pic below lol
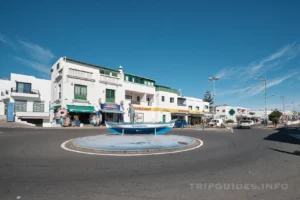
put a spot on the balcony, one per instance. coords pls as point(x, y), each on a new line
point(109, 80)
point(25, 93)
point(80, 97)
point(181, 104)
point(110, 99)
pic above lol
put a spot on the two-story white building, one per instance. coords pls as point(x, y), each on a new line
point(229, 112)
point(85, 90)
point(30, 97)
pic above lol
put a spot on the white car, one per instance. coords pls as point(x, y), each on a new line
point(216, 122)
point(244, 124)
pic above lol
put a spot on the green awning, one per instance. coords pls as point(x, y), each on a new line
point(81, 109)
point(55, 107)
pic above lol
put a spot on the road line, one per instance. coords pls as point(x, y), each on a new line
point(63, 145)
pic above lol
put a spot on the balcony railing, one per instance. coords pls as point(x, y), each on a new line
point(181, 104)
point(79, 96)
point(110, 99)
point(165, 89)
point(107, 79)
point(32, 91)
point(136, 102)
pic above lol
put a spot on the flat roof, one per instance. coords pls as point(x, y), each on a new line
point(92, 65)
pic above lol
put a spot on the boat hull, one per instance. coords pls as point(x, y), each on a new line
point(139, 128)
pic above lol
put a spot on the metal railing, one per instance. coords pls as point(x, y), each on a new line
point(79, 96)
point(110, 99)
point(32, 91)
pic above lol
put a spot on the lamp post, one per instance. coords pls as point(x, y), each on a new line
point(264, 80)
point(213, 80)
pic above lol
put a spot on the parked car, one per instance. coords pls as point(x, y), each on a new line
point(216, 122)
point(244, 124)
point(180, 123)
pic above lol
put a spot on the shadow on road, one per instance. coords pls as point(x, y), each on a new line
point(297, 153)
point(284, 135)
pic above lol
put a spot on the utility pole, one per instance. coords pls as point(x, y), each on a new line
point(264, 80)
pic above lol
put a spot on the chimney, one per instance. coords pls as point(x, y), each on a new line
point(121, 69)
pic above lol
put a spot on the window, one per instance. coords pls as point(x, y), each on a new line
point(110, 95)
point(223, 110)
point(130, 78)
point(217, 110)
point(20, 105)
point(57, 66)
point(197, 107)
point(128, 97)
point(138, 98)
point(23, 87)
point(59, 91)
point(80, 92)
point(171, 99)
point(162, 98)
point(206, 106)
point(115, 74)
point(38, 106)
point(104, 71)
point(190, 107)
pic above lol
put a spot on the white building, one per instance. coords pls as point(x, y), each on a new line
point(229, 112)
point(85, 89)
point(30, 97)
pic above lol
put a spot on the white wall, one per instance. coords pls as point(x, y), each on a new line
point(225, 115)
point(5, 90)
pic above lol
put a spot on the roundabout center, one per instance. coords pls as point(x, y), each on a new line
point(131, 145)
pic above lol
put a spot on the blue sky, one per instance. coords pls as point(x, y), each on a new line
point(178, 43)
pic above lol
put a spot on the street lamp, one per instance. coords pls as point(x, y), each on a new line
point(264, 80)
point(271, 96)
point(213, 80)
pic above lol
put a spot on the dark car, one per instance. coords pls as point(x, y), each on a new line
point(180, 123)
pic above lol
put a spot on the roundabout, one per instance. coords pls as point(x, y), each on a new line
point(131, 145)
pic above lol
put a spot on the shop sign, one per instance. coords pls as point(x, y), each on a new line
point(109, 106)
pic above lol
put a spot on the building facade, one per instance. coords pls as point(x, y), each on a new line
point(231, 113)
point(85, 90)
point(30, 98)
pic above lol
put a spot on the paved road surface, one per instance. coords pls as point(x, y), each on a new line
point(33, 166)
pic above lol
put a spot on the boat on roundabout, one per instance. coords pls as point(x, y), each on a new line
point(158, 128)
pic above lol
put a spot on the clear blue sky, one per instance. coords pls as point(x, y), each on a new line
point(177, 43)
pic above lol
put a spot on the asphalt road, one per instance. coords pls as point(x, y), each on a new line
point(33, 166)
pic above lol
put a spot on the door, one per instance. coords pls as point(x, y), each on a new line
point(164, 118)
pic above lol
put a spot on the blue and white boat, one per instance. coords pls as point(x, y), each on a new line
point(140, 128)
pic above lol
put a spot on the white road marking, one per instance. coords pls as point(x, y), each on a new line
point(63, 145)
point(18, 197)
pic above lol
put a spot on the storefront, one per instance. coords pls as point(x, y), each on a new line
point(111, 112)
point(195, 119)
point(178, 116)
point(84, 113)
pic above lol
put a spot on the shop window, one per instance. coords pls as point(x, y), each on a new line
point(162, 98)
point(110, 95)
point(38, 106)
point(223, 110)
point(171, 99)
point(80, 92)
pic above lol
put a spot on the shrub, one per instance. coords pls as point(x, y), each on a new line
point(229, 121)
